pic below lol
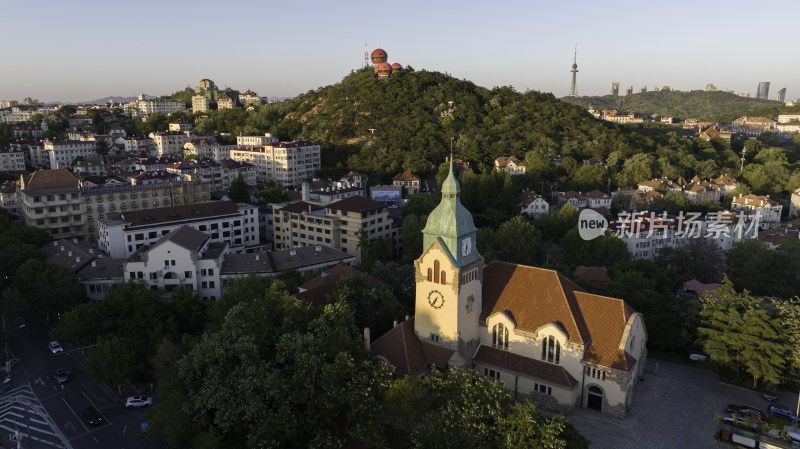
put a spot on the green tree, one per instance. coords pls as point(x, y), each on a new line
point(272, 193)
point(238, 190)
point(742, 332)
point(518, 241)
point(35, 283)
point(603, 251)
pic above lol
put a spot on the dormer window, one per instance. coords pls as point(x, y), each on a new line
point(551, 350)
point(500, 336)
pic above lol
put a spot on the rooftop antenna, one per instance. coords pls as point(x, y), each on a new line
point(451, 149)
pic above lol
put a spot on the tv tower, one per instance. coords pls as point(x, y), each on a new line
point(366, 56)
point(573, 91)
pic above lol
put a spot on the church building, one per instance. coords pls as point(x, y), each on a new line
point(532, 328)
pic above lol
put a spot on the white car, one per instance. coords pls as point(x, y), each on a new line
point(55, 347)
point(138, 401)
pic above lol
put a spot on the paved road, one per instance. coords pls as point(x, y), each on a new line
point(674, 407)
point(34, 382)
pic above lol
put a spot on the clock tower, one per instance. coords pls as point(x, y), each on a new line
point(449, 274)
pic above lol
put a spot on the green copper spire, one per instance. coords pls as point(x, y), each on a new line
point(452, 222)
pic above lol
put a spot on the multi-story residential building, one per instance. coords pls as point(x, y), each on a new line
point(189, 259)
point(200, 103)
point(147, 164)
point(12, 160)
point(57, 201)
point(768, 209)
point(249, 98)
point(752, 126)
point(93, 166)
point(36, 156)
point(208, 149)
point(621, 117)
point(141, 107)
point(34, 130)
point(18, 116)
point(331, 194)
point(408, 181)
point(155, 177)
point(287, 164)
point(169, 142)
point(726, 184)
point(137, 144)
point(510, 165)
point(532, 204)
point(532, 328)
point(9, 199)
point(792, 127)
point(256, 141)
point(225, 102)
point(338, 224)
point(794, 205)
point(62, 153)
point(180, 125)
point(789, 117)
point(98, 201)
point(236, 225)
point(51, 200)
point(218, 174)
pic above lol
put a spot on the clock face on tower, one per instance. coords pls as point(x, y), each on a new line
point(466, 246)
point(435, 299)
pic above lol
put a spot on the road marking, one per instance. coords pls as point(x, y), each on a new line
point(39, 381)
point(124, 429)
point(69, 426)
point(98, 398)
point(95, 440)
point(76, 415)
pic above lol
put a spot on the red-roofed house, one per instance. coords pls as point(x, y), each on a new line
point(510, 165)
point(407, 180)
point(532, 328)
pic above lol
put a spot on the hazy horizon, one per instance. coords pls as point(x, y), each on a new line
point(283, 49)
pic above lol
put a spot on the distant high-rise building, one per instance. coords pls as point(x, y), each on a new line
point(781, 95)
point(615, 89)
point(711, 88)
point(643, 89)
point(763, 90)
point(629, 90)
point(666, 89)
point(655, 88)
point(573, 91)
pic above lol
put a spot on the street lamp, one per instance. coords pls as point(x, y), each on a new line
point(5, 338)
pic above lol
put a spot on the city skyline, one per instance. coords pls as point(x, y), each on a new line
point(88, 50)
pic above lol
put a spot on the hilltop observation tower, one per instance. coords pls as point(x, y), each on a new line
point(573, 91)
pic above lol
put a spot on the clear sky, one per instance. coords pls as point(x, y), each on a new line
point(86, 49)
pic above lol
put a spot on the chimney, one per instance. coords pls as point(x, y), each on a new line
point(62, 247)
point(305, 195)
point(69, 253)
point(406, 317)
point(78, 259)
point(74, 240)
point(55, 243)
point(318, 248)
point(325, 277)
point(94, 263)
point(366, 338)
point(91, 250)
point(257, 257)
point(394, 324)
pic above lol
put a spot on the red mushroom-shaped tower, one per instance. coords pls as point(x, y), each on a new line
point(379, 56)
point(396, 66)
point(384, 70)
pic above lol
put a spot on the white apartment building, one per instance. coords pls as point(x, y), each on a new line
point(36, 155)
point(768, 209)
point(137, 144)
point(200, 103)
point(142, 107)
point(12, 160)
point(9, 199)
point(532, 204)
point(256, 141)
point(225, 102)
point(789, 117)
point(93, 166)
point(218, 174)
point(337, 224)
point(147, 164)
point(287, 164)
point(208, 150)
point(236, 225)
point(61, 153)
point(180, 125)
point(169, 142)
point(155, 177)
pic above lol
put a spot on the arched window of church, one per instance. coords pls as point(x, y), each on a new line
point(500, 336)
point(551, 350)
point(436, 271)
point(444, 277)
point(430, 275)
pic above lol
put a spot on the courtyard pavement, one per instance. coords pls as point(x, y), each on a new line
point(673, 407)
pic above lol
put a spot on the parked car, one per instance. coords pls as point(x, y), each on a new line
point(138, 401)
point(55, 347)
point(770, 392)
point(92, 416)
point(782, 411)
point(741, 420)
point(62, 376)
point(745, 410)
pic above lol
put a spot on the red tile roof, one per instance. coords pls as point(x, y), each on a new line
point(402, 348)
point(534, 297)
point(606, 319)
point(525, 365)
point(357, 203)
point(406, 176)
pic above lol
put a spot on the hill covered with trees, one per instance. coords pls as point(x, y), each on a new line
point(711, 106)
